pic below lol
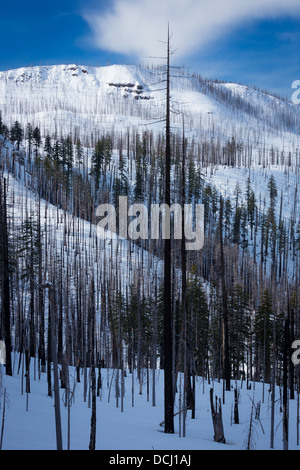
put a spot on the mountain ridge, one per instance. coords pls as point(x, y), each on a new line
point(59, 97)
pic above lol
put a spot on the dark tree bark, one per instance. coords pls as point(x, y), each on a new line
point(91, 315)
point(226, 363)
point(5, 280)
point(285, 419)
point(168, 339)
point(216, 412)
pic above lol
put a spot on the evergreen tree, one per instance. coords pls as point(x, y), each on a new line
point(48, 147)
point(17, 134)
point(79, 152)
point(36, 135)
point(239, 328)
point(121, 184)
point(97, 161)
point(29, 138)
point(236, 233)
point(29, 253)
point(271, 227)
point(199, 321)
point(244, 229)
point(264, 334)
point(227, 217)
point(56, 153)
point(251, 205)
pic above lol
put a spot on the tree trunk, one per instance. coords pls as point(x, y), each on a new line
point(216, 412)
point(226, 363)
point(59, 444)
point(285, 419)
point(168, 340)
point(6, 281)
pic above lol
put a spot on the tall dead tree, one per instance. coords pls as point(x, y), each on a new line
point(183, 274)
point(92, 314)
point(5, 277)
point(226, 363)
point(285, 417)
point(168, 337)
point(53, 341)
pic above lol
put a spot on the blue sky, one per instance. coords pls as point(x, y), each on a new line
point(257, 49)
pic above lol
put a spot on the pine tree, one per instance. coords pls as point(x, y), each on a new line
point(36, 135)
point(199, 312)
point(29, 253)
point(239, 328)
point(79, 152)
point(29, 138)
point(264, 333)
point(17, 134)
point(48, 147)
point(97, 162)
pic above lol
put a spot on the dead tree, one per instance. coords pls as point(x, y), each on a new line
point(5, 277)
point(236, 407)
point(92, 314)
point(216, 412)
point(226, 363)
point(168, 340)
point(285, 419)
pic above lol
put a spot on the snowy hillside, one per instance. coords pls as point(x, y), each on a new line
point(76, 300)
point(84, 100)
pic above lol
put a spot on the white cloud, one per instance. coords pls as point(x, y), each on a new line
point(137, 27)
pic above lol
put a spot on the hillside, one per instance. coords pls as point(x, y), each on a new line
point(88, 100)
point(74, 137)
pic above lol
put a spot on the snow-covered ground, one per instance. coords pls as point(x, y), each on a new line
point(76, 98)
point(136, 427)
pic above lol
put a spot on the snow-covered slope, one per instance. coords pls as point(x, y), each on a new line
point(71, 98)
point(138, 426)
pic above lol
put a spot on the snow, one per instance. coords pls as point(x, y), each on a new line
point(137, 427)
point(65, 98)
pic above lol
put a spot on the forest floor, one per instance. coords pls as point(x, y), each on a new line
point(30, 423)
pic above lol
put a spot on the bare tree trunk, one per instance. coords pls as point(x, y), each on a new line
point(226, 364)
point(42, 356)
point(92, 445)
point(236, 407)
point(273, 387)
point(59, 444)
point(216, 412)
point(184, 298)
point(6, 281)
point(168, 340)
point(285, 419)
point(3, 419)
